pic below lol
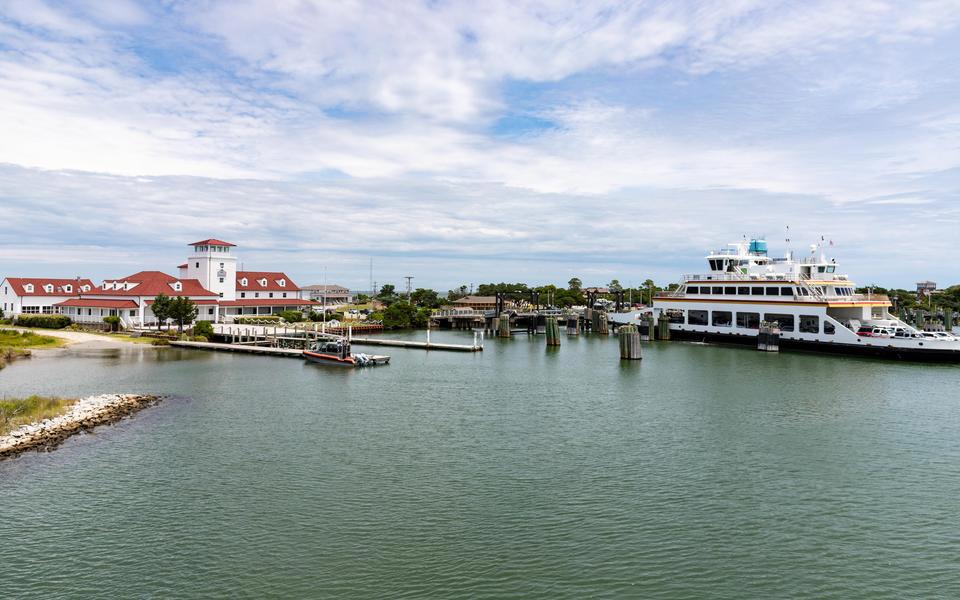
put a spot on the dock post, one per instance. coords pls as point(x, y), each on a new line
point(663, 327)
point(768, 337)
point(504, 328)
point(573, 325)
point(600, 322)
point(428, 336)
point(552, 329)
point(630, 343)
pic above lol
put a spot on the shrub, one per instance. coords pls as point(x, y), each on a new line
point(43, 321)
point(113, 322)
point(160, 342)
point(198, 338)
point(257, 320)
point(203, 329)
point(291, 316)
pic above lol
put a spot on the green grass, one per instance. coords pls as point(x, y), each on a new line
point(28, 339)
point(15, 412)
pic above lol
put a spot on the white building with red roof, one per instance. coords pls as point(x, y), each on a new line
point(38, 295)
point(209, 278)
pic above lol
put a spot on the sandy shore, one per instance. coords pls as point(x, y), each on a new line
point(76, 337)
point(86, 414)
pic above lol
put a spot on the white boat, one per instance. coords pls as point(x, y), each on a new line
point(815, 306)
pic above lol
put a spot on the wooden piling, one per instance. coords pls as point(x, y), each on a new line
point(630, 343)
point(503, 330)
point(663, 327)
point(552, 329)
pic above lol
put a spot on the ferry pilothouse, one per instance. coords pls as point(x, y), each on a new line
point(813, 304)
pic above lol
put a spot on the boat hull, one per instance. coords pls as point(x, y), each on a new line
point(890, 352)
point(329, 359)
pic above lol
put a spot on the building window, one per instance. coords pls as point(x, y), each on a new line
point(256, 294)
point(221, 280)
point(785, 321)
point(198, 265)
point(697, 317)
point(748, 320)
point(221, 265)
point(809, 324)
point(31, 310)
point(210, 311)
point(284, 294)
point(271, 294)
point(243, 294)
point(282, 282)
point(221, 294)
point(722, 318)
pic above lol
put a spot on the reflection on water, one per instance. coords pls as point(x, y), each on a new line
point(699, 471)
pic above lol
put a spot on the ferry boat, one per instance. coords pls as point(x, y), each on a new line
point(813, 304)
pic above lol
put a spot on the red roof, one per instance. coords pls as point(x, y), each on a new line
point(273, 279)
point(183, 266)
point(211, 242)
point(93, 302)
point(268, 302)
point(152, 283)
point(17, 284)
point(198, 302)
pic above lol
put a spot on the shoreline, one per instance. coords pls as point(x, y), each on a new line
point(86, 414)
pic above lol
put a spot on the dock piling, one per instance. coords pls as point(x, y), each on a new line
point(552, 329)
point(630, 343)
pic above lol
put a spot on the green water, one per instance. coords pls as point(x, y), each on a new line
point(519, 472)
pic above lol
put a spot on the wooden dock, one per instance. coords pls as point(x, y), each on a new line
point(420, 345)
point(262, 350)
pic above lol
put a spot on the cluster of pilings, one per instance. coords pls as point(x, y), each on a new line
point(629, 342)
point(930, 319)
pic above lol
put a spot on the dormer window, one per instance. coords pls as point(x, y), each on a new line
point(282, 282)
point(68, 288)
point(263, 282)
point(84, 288)
point(243, 281)
point(177, 286)
point(28, 288)
point(48, 288)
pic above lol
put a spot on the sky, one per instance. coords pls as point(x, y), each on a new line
point(464, 142)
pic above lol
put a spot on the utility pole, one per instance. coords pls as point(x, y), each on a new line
point(409, 279)
point(373, 284)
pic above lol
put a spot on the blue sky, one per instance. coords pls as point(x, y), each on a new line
point(463, 143)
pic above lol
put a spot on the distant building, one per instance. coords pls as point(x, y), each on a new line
point(209, 277)
point(596, 290)
point(330, 294)
point(925, 288)
point(476, 302)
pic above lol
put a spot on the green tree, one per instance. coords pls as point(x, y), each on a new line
point(458, 293)
point(361, 298)
point(161, 308)
point(113, 321)
point(425, 297)
point(575, 284)
point(204, 328)
point(399, 315)
point(614, 285)
point(387, 290)
point(182, 310)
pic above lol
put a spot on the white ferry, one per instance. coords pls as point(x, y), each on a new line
point(815, 307)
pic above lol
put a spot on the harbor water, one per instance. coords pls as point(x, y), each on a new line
point(519, 472)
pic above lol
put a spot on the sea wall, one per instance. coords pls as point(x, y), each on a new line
point(86, 414)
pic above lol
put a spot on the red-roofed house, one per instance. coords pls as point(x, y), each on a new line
point(38, 295)
point(264, 293)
